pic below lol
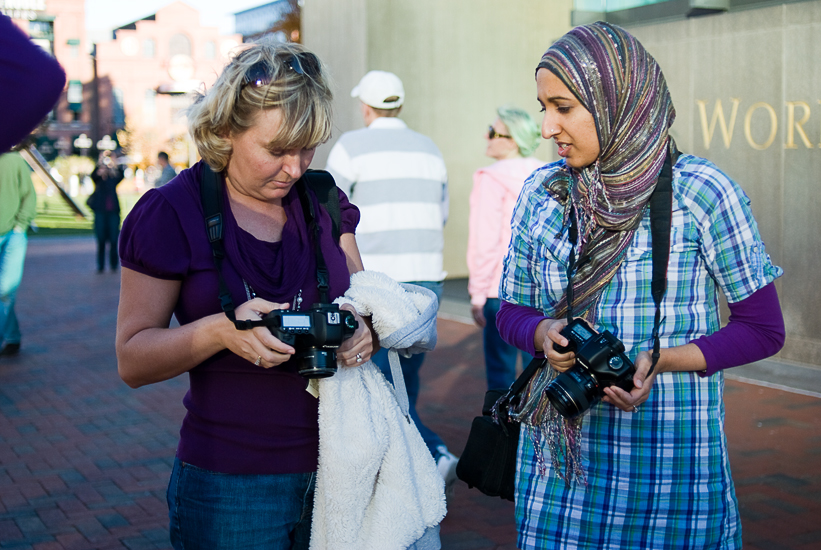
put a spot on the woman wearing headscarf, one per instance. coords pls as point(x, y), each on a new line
point(511, 139)
point(245, 469)
point(646, 468)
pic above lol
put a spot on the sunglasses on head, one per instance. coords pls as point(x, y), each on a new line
point(259, 74)
point(492, 133)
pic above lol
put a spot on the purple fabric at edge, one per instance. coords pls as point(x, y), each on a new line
point(31, 82)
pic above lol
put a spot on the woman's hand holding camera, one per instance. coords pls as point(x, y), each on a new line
point(685, 358)
point(547, 333)
point(257, 345)
point(357, 349)
point(630, 401)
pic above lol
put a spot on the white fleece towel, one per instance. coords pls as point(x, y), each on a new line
point(377, 485)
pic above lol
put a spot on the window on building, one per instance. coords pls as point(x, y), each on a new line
point(117, 108)
point(150, 108)
point(74, 47)
point(179, 45)
point(42, 34)
point(149, 48)
point(210, 50)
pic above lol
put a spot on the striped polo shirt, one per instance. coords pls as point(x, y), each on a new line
point(398, 179)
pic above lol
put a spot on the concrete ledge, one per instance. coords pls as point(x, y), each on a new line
point(791, 377)
point(455, 310)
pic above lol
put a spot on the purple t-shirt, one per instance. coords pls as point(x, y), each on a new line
point(241, 419)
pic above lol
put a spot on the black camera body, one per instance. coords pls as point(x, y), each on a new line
point(600, 363)
point(314, 334)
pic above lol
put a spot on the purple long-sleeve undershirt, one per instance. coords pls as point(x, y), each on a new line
point(754, 331)
point(517, 326)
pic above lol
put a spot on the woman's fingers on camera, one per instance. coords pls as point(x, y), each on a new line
point(643, 363)
point(354, 357)
point(256, 308)
point(623, 400)
point(266, 357)
point(357, 349)
point(561, 361)
point(272, 342)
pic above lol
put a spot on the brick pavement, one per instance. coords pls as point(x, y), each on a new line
point(84, 460)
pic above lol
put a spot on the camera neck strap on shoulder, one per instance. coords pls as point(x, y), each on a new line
point(661, 217)
point(311, 216)
point(213, 210)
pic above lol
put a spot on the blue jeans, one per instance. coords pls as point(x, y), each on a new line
point(209, 510)
point(500, 357)
point(12, 255)
point(107, 230)
point(410, 370)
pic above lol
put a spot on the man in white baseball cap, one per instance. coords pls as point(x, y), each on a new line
point(398, 179)
point(381, 90)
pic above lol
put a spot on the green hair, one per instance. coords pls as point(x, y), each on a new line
point(522, 128)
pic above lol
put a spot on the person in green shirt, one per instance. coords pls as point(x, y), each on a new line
point(18, 205)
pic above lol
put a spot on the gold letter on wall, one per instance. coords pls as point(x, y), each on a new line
point(793, 125)
point(718, 115)
point(773, 125)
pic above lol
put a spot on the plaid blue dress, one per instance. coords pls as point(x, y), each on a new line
point(659, 478)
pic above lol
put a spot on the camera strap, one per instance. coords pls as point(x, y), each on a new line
point(661, 218)
point(212, 205)
point(308, 208)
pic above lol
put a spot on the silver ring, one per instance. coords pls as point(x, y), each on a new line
point(635, 409)
point(358, 358)
point(258, 361)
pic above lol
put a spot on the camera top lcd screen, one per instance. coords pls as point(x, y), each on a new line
point(296, 321)
point(581, 332)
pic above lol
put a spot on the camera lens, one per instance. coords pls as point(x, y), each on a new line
point(573, 392)
point(317, 363)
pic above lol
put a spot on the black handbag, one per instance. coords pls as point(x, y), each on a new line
point(489, 459)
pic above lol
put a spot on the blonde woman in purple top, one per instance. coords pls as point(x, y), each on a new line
point(245, 466)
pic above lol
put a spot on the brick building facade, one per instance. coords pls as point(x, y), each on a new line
point(137, 81)
point(145, 73)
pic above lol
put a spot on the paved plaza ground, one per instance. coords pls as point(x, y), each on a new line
point(84, 460)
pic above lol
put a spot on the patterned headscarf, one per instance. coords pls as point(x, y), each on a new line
point(620, 83)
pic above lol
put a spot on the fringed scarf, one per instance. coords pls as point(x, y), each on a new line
point(622, 86)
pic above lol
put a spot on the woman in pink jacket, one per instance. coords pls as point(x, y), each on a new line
point(511, 139)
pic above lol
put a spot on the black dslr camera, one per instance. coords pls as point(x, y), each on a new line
point(600, 363)
point(314, 334)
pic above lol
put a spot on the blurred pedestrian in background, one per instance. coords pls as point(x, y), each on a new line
point(30, 84)
point(167, 171)
point(18, 205)
point(645, 468)
point(398, 179)
point(511, 139)
point(245, 470)
point(105, 204)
